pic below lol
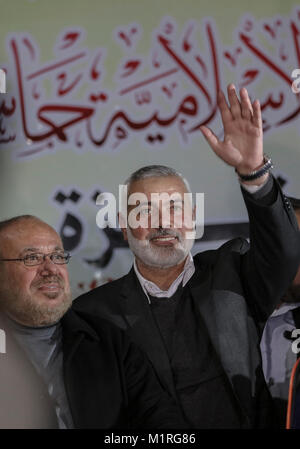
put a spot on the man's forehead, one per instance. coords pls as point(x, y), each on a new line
point(158, 184)
point(30, 235)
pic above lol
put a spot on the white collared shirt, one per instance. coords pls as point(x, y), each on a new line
point(152, 289)
point(276, 350)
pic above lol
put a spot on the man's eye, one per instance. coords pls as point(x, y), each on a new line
point(177, 207)
point(58, 257)
point(145, 212)
point(32, 257)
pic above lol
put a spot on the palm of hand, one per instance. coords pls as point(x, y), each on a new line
point(242, 146)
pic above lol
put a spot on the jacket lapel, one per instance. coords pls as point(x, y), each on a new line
point(143, 329)
point(222, 312)
point(73, 331)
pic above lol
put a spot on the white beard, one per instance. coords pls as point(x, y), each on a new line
point(160, 257)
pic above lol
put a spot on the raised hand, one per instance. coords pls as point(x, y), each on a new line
point(242, 146)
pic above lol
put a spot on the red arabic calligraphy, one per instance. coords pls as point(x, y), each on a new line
point(178, 91)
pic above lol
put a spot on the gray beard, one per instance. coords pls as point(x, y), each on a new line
point(164, 257)
point(31, 314)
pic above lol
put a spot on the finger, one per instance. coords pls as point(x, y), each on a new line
point(235, 106)
point(211, 138)
point(223, 107)
point(225, 150)
point(257, 119)
point(246, 106)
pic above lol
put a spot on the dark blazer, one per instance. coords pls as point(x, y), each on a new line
point(235, 289)
point(109, 382)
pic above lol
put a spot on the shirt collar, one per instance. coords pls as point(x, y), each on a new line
point(150, 288)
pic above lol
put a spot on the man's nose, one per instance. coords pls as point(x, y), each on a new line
point(48, 266)
point(165, 217)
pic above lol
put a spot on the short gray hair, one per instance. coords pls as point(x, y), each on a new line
point(155, 171)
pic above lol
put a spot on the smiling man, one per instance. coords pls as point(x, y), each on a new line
point(37, 291)
point(200, 319)
point(160, 240)
point(60, 368)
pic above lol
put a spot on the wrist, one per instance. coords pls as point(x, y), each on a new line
point(256, 182)
point(257, 176)
point(247, 168)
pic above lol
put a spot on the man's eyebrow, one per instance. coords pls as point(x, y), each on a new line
point(25, 250)
point(145, 203)
point(58, 248)
point(140, 203)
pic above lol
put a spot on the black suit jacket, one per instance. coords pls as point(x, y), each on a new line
point(109, 382)
point(235, 289)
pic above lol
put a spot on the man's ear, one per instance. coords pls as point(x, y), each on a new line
point(123, 225)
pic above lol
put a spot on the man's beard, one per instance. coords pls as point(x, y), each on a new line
point(160, 257)
point(24, 309)
point(292, 294)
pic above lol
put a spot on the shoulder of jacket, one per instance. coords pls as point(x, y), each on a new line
point(111, 286)
point(103, 327)
point(238, 245)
